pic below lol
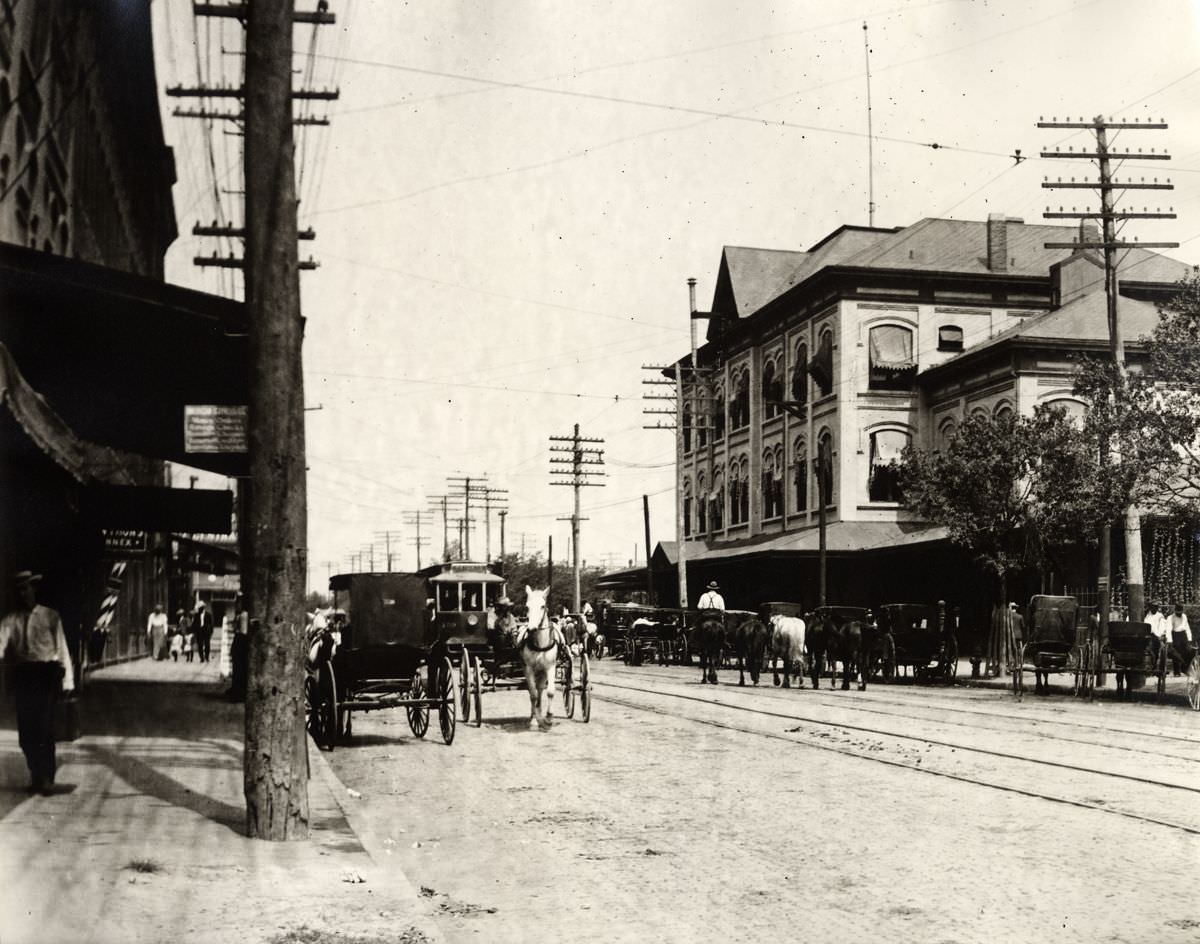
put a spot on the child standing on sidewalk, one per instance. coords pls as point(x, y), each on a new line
point(189, 645)
point(176, 645)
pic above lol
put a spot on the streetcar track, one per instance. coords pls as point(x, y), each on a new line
point(892, 762)
point(859, 706)
point(860, 729)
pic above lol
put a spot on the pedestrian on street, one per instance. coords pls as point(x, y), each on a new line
point(1158, 629)
point(1181, 639)
point(711, 599)
point(32, 638)
point(202, 626)
point(156, 632)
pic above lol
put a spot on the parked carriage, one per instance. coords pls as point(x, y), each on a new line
point(1131, 649)
point(1052, 643)
point(389, 656)
point(916, 636)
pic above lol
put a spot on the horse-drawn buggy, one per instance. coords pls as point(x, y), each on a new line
point(1052, 642)
point(837, 634)
point(1130, 649)
point(638, 634)
point(493, 648)
point(915, 636)
point(388, 656)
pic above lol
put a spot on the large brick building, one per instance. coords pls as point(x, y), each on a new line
point(874, 339)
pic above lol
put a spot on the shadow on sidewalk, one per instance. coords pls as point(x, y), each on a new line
point(146, 779)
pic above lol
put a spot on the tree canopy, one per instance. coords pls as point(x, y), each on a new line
point(1014, 490)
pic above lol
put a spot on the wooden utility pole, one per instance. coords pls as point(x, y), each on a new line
point(1109, 217)
point(649, 576)
point(577, 477)
point(276, 752)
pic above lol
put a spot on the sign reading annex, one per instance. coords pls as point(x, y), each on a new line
point(210, 428)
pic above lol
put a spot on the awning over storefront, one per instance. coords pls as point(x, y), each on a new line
point(842, 537)
point(120, 356)
point(107, 498)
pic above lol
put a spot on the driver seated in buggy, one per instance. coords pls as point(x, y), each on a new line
point(502, 631)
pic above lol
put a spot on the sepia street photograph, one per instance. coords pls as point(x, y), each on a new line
point(476, 472)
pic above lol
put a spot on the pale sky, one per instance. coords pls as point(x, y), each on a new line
point(511, 197)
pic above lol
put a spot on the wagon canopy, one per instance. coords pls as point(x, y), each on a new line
point(385, 609)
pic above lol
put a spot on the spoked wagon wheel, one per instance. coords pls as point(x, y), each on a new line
point(326, 715)
point(418, 715)
point(477, 692)
point(344, 723)
point(568, 692)
point(585, 691)
point(950, 659)
point(447, 711)
point(464, 684)
point(1160, 670)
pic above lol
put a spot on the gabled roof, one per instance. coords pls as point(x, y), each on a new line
point(750, 278)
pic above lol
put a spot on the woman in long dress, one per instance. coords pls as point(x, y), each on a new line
point(156, 630)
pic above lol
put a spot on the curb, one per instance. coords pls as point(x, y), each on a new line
point(392, 875)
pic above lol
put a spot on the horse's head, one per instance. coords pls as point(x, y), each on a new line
point(535, 604)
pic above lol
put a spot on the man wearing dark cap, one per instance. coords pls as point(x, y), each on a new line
point(32, 638)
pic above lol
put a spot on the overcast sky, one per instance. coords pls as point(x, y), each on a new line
point(511, 197)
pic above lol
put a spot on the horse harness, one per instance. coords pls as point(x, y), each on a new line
point(526, 642)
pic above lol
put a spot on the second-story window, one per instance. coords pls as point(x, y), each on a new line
point(821, 365)
point(772, 390)
point(687, 429)
point(718, 414)
point(800, 375)
point(887, 449)
point(891, 352)
point(950, 338)
point(717, 503)
point(739, 407)
point(800, 467)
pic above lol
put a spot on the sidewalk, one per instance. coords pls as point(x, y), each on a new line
point(144, 840)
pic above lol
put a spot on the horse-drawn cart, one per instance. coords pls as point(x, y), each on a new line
point(388, 656)
point(915, 635)
point(1051, 644)
point(1131, 649)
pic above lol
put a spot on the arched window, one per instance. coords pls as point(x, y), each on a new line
point(892, 366)
point(800, 474)
point(717, 503)
point(823, 474)
point(1004, 412)
point(701, 506)
point(772, 390)
point(739, 491)
point(739, 408)
point(821, 366)
point(687, 427)
point(887, 448)
point(768, 485)
point(800, 375)
point(687, 508)
point(718, 414)
point(946, 433)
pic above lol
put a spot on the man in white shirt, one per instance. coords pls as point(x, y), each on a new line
point(711, 599)
point(1180, 638)
point(32, 638)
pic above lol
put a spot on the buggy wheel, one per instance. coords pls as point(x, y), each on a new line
point(950, 659)
point(418, 715)
point(568, 692)
point(327, 710)
point(585, 692)
point(477, 692)
point(447, 711)
point(343, 725)
point(889, 658)
point(464, 686)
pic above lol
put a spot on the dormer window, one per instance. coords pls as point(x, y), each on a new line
point(950, 338)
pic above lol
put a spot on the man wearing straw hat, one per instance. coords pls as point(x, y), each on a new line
point(32, 638)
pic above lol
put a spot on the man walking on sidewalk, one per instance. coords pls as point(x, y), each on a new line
point(31, 636)
point(202, 626)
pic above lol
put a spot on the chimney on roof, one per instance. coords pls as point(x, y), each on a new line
point(1088, 233)
point(997, 242)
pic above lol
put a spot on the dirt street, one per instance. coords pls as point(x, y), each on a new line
point(902, 814)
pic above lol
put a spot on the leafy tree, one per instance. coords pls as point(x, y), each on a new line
point(1015, 491)
point(531, 569)
point(1152, 414)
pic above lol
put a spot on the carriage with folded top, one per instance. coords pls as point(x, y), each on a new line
point(387, 654)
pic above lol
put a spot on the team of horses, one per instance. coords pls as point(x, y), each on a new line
point(815, 644)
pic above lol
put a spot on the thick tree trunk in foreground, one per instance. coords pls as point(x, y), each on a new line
point(276, 759)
